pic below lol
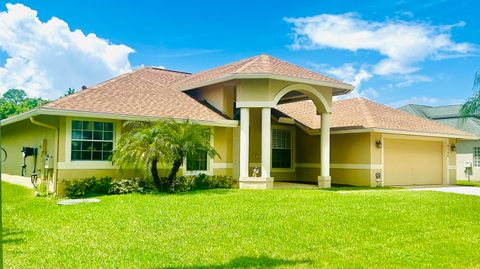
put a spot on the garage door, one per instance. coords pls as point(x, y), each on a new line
point(413, 162)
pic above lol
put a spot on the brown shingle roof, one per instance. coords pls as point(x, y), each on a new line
point(360, 113)
point(143, 92)
point(258, 65)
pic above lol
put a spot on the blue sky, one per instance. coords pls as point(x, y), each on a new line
point(395, 52)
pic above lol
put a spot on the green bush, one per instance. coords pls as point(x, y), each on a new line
point(93, 186)
point(203, 181)
point(88, 187)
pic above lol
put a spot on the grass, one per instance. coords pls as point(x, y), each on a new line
point(241, 228)
point(468, 183)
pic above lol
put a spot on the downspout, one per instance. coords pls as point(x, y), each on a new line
point(55, 160)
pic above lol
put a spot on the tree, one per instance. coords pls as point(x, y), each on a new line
point(15, 96)
point(70, 91)
point(146, 144)
point(15, 101)
point(472, 105)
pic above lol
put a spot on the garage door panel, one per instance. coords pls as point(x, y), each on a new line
point(413, 162)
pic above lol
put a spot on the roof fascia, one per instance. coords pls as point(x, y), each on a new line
point(75, 113)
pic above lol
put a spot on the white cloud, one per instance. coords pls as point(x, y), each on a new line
point(349, 74)
point(409, 80)
point(403, 44)
point(46, 58)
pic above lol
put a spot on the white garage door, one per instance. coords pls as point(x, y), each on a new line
point(413, 162)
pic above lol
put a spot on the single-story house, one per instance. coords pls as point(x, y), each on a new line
point(467, 151)
point(263, 112)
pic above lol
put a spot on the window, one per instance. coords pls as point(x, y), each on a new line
point(197, 162)
point(476, 156)
point(281, 148)
point(91, 140)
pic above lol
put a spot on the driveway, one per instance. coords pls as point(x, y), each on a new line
point(452, 189)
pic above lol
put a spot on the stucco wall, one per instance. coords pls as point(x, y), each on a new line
point(25, 133)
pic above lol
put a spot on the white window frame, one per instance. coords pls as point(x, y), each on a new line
point(87, 165)
point(209, 170)
point(293, 148)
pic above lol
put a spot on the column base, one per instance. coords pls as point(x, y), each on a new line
point(259, 183)
point(324, 182)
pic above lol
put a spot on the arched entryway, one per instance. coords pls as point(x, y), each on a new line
point(288, 93)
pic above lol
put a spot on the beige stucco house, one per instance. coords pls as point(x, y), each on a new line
point(263, 112)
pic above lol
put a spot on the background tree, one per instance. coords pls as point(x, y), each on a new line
point(472, 106)
point(70, 91)
point(16, 101)
point(146, 144)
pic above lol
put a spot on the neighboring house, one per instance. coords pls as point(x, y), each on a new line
point(263, 112)
point(468, 151)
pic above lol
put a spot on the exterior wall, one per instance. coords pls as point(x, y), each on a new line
point(25, 133)
point(351, 159)
point(464, 151)
point(261, 93)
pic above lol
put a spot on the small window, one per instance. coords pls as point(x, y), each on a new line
point(476, 156)
point(281, 148)
point(91, 140)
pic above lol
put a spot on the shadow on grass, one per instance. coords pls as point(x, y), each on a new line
point(247, 262)
point(13, 236)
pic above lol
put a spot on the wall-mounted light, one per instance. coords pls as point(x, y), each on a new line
point(378, 143)
point(453, 147)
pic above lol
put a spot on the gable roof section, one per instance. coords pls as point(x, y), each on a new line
point(262, 66)
point(143, 92)
point(360, 113)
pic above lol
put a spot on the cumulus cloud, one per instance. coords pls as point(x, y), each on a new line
point(46, 58)
point(404, 45)
point(349, 74)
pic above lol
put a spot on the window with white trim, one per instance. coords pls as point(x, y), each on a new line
point(476, 156)
point(281, 148)
point(91, 140)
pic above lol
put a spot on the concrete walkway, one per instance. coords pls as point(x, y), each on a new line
point(17, 180)
point(452, 189)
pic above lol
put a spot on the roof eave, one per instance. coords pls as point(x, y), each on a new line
point(342, 88)
point(114, 116)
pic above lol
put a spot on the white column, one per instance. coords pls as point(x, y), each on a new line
point(244, 140)
point(325, 145)
point(266, 141)
point(324, 180)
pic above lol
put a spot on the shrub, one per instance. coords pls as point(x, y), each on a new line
point(88, 187)
point(203, 181)
point(106, 185)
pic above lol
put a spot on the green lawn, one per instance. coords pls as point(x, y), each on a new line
point(240, 228)
point(468, 183)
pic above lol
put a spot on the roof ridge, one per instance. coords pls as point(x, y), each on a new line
point(168, 70)
point(249, 63)
point(94, 87)
point(366, 112)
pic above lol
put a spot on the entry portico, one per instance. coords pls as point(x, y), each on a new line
point(265, 96)
point(261, 83)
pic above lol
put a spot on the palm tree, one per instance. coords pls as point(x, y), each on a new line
point(146, 144)
point(472, 106)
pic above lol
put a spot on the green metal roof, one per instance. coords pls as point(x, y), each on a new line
point(448, 115)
